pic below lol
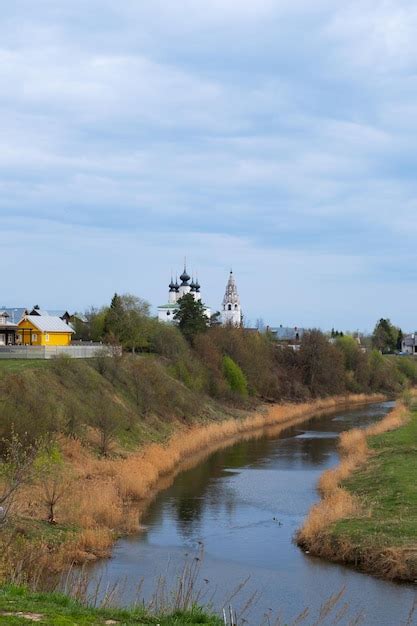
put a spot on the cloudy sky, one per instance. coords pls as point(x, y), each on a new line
point(278, 137)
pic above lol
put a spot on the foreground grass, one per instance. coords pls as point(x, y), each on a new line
point(19, 606)
point(387, 490)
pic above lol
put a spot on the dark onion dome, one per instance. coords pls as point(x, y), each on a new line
point(176, 286)
point(193, 285)
point(197, 286)
point(184, 277)
point(172, 285)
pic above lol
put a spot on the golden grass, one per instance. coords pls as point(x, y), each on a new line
point(107, 496)
point(337, 503)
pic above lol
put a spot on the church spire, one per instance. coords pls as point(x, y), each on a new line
point(231, 313)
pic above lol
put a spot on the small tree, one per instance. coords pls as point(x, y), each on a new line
point(400, 338)
point(127, 322)
point(191, 317)
point(215, 319)
point(321, 364)
point(385, 336)
point(106, 422)
point(50, 470)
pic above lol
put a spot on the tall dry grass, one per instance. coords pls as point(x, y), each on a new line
point(106, 496)
point(337, 503)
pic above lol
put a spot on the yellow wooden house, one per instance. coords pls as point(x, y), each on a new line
point(43, 330)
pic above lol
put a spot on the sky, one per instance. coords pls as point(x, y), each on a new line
point(274, 137)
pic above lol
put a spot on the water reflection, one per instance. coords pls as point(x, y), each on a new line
point(244, 503)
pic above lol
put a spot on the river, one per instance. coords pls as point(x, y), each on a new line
point(243, 505)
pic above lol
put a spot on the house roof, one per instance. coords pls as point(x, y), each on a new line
point(15, 314)
point(49, 324)
point(37, 312)
point(6, 325)
point(286, 333)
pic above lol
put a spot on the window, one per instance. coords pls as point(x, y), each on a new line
point(236, 307)
point(34, 337)
point(229, 308)
point(46, 337)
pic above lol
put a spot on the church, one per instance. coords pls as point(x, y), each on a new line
point(176, 291)
point(230, 314)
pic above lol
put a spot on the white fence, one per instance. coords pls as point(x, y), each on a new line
point(80, 351)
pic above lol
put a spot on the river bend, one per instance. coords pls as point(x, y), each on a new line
point(244, 504)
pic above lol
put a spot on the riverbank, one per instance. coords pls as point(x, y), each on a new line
point(20, 606)
point(104, 497)
point(367, 516)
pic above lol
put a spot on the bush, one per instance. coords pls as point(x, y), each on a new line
point(235, 377)
point(408, 367)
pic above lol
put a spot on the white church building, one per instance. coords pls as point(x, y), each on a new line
point(176, 291)
point(231, 313)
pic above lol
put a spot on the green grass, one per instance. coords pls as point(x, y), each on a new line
point(59, 610)
point(16, 365)
point(38, 530)
point(387, 489)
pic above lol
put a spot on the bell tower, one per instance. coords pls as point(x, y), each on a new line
point(231, 310)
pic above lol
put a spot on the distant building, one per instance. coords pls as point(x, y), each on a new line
point(409, 344)
point(15, 313)
point(286, 334)
point(231, 313)
point(166, 312)
point(43, 330)
point(7, 330)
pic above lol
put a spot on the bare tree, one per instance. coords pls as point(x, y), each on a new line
point(50, 471)
point(16, 470)
point(106, 422)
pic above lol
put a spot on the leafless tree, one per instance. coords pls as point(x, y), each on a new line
point(16, 470)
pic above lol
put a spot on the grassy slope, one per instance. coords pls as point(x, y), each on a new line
point(387, 489)
point(76, 387)
point(16, 365)
point(59, 610)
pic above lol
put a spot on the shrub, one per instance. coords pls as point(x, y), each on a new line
point(235, 377)
point(408, 367)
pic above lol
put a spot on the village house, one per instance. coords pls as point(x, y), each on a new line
point(409, 344)
point(15, 313)
point(43, 330)
point(286, 334)
point(7, 330)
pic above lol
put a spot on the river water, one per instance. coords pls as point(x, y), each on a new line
point(242, 506)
